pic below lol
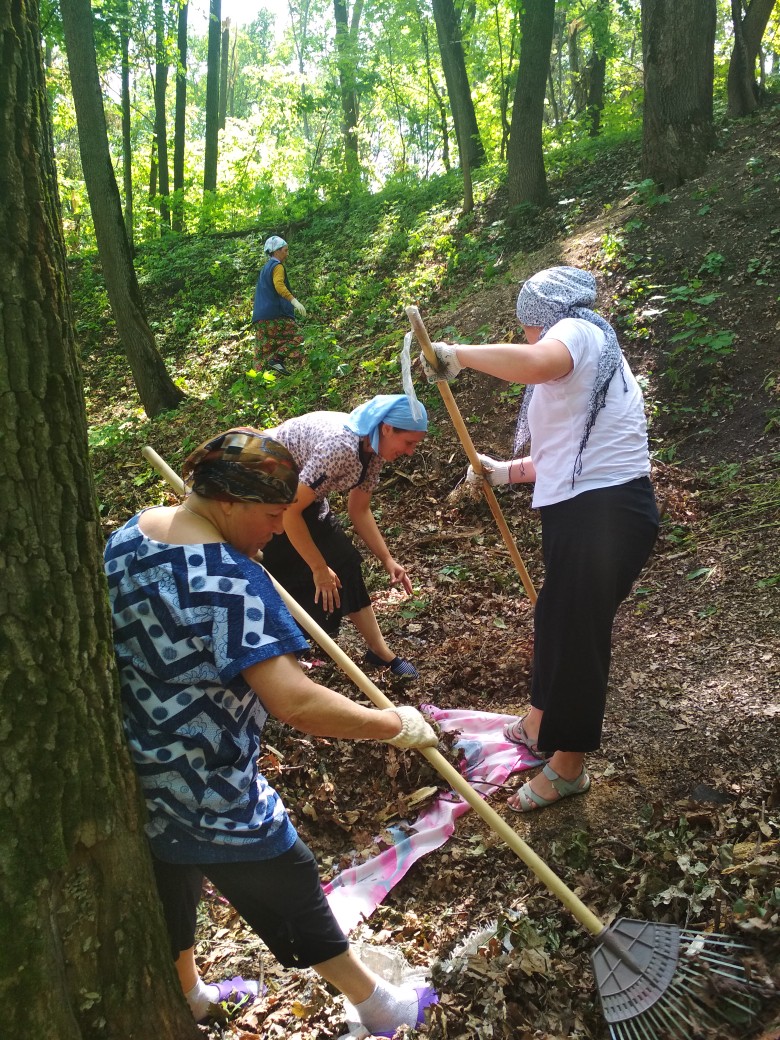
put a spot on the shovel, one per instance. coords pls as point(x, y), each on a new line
point(654, 980)
point(460, 427)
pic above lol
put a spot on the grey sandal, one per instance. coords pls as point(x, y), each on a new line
point(527, 800)
point(515, 733)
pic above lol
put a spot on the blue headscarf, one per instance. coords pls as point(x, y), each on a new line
point(393, 409)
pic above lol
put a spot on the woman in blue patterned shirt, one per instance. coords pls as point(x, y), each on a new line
point(206, 650)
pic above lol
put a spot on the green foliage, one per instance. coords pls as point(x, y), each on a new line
point(648, 193)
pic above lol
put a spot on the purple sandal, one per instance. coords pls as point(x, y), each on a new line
point(233, 996)
point(426, 996)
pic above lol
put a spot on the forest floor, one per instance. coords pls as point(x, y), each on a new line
point(682, 821)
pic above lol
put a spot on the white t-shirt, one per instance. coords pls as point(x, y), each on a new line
point(616, 451)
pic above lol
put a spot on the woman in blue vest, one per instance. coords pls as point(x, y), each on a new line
point(274, 310)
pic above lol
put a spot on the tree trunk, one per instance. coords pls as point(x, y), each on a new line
point(597, 74)
point(347, 54)
point(160, 122)
point(157, 391)
point(83, 954)
point(453, 62)
point(212, 98)
point(438, 100)
point(596, 70)
point(678, 43)
point(742, 88)
point(127, 141)
point(526, 179)
point(180, 124)
point(224, 59)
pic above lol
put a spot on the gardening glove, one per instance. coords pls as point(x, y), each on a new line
point(494, 471)
point(416, 732)
point(298, 307)
point(448, 365)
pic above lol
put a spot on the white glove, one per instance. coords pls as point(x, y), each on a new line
point(448, 364)
point(416, 732)
point(298, 306)
point(494, 471)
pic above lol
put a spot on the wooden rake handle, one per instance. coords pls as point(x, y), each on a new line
point(455, 780)
point(424, 340)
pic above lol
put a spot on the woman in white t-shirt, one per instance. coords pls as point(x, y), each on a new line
point(583, 413)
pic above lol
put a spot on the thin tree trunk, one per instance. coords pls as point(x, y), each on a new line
point(438, 100)
point(160, 122)
point(223, 73)
point(601, 35)
point(597, 74)
point(180, 120)
point(127, 143)
point(84, 949)
point(156, 389)
point(742, 87)
point(526, 178)
point(678, 42)
point(347, 52)
point(212, 98)
point(453, 62)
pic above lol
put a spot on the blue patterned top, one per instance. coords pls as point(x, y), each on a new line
point(188, 619)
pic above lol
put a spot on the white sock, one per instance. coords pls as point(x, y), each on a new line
point(199, 998)
point(388, 1007)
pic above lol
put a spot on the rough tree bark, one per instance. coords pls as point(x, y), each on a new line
point(83, 953)
point(742, 88)
point(678, 43)
point(155, 387)
point(526, 178)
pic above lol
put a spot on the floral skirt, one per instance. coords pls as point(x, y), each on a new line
point(277, 339)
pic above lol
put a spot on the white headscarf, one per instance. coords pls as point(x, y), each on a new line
point(547, 298)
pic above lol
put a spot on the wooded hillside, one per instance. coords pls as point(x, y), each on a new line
point(409, 153)
point(682, 821)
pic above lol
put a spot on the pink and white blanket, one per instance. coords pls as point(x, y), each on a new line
point(488, 759)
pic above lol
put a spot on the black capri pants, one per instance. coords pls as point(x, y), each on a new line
point(292, 572)
point(281, 899)
point(594, 547)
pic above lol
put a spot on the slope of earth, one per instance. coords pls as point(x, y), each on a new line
point(681, 824)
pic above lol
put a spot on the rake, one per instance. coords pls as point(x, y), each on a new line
point(471, 453)
point(655, 981)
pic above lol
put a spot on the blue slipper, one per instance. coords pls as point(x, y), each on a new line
point(398, 666)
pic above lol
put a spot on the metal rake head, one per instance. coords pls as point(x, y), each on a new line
point(660, 982)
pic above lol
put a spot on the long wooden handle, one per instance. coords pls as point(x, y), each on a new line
point(424, 340)
point(455, 780)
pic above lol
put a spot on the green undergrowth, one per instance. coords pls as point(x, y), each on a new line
point(357, 261)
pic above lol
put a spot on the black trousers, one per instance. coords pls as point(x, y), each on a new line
point(281, 899)
point(594, 546)
point(292, 572)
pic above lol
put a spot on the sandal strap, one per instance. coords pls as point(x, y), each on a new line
point(580, 783)
point(515, 733)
